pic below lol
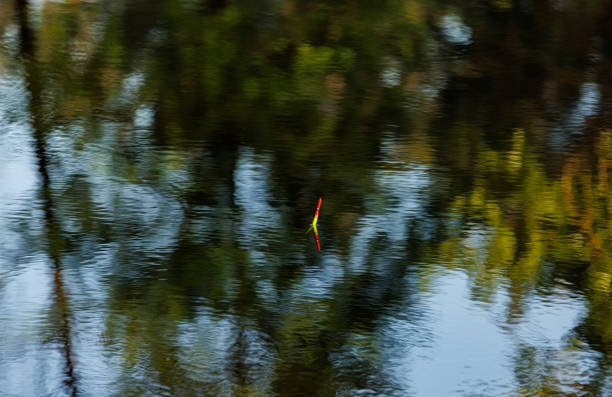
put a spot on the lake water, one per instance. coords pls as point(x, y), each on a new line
point(161, 161)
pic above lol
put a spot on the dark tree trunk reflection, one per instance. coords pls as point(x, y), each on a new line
point(52, 229)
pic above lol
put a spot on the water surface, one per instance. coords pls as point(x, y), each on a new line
point(160, 162)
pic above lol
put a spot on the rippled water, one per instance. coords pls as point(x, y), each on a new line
point(160, 163)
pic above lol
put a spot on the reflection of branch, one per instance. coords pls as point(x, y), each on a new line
point(61, 301)
point(25, 34)
point(52, 230)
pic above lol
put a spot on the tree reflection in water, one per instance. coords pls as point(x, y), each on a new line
point(464, 152)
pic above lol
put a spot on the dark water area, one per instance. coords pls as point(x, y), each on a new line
point(160, 163)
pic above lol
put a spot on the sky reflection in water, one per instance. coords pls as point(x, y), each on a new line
point(160, 163)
